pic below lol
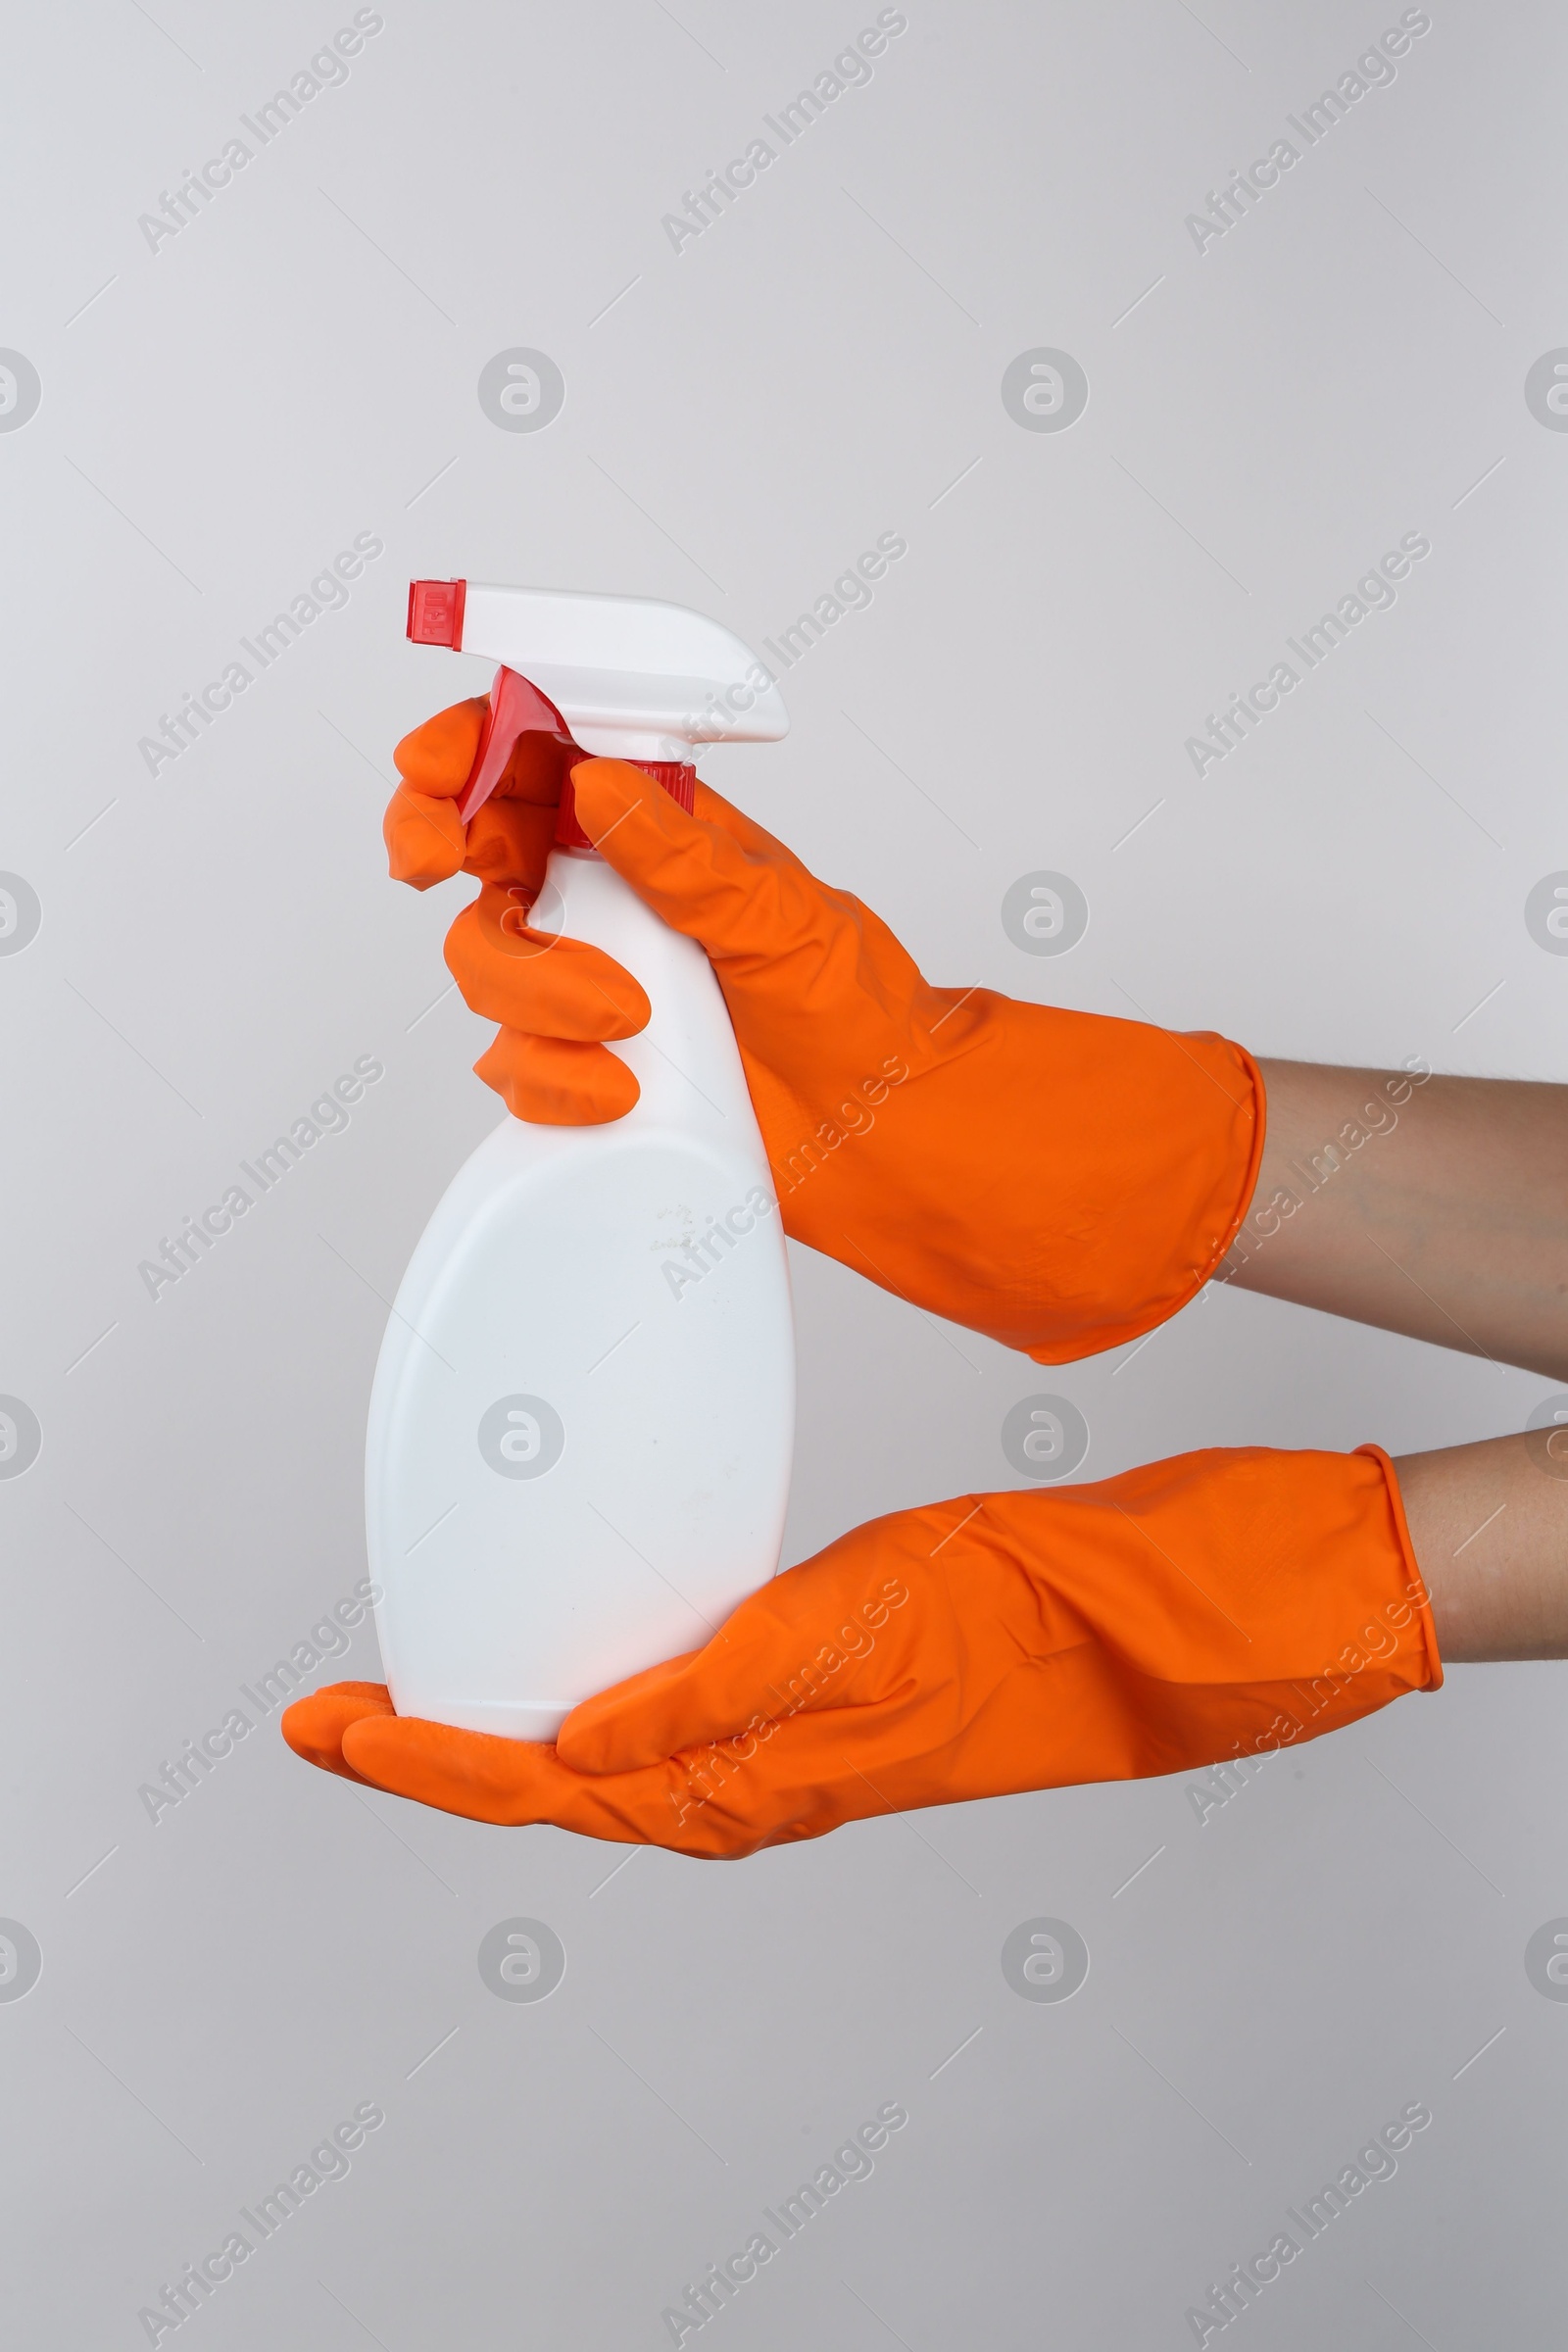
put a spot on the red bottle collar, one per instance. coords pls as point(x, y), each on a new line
point(678, 780)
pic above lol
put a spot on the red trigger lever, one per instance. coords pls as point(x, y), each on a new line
point(515, 708)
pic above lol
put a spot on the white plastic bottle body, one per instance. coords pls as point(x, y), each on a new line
point(582, 1419)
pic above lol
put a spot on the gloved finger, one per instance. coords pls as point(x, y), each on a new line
point(435, 757)
point(512, 836)
point(536, 980)
point(314, 1727)
point(556, 1082)
point(711, 1815)
point(538, 766)
point(511, 1783)
point(423, 833)
point(509, 839)
point(424, 838)
point(747, 899)
point(508, 843)
point(822, 1635)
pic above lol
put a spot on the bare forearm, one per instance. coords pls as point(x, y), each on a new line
point(1489, 1528)
point(1435, 1206)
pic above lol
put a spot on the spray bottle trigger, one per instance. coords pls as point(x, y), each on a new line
point(515, 708)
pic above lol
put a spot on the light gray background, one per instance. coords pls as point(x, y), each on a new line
point(821, 365)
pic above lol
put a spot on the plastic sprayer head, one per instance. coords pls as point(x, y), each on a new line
point(628, 675)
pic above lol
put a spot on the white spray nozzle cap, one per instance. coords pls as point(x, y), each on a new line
point(631, 676)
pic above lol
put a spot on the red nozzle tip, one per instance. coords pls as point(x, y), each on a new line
point(435, 612)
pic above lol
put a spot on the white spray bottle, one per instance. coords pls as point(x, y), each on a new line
point(582, 1419)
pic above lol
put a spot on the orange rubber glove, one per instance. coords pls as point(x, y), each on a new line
point(1217, 1606)
point(1062, 1181)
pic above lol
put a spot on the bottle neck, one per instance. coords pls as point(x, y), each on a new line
point(676, 776)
